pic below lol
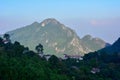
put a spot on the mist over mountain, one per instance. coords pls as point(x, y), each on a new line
point(56, 38)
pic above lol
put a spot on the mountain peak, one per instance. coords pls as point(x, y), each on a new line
point(35, 23)
point(87, 37)
point(55, 37)
point(93, 43)
point(49, 21)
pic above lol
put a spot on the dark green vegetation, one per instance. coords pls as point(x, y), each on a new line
point(115, 48)
point(18, 64)
point(56, 38)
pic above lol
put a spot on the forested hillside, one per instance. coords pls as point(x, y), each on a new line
point(19, 63)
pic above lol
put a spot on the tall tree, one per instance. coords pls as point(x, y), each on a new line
point(6, 38)
point(39, 48)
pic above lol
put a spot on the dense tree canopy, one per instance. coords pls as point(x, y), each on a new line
point(19, 63)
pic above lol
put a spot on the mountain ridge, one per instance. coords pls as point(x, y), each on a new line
point(94, 43)
point(54, 36)
point(114, 48)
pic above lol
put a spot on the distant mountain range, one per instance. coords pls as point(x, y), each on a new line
point(56, 38)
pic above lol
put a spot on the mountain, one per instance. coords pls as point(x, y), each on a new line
point(55, 37)
point(114, 48)
point(94, 43)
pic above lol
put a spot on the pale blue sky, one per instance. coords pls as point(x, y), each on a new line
point(100, 18)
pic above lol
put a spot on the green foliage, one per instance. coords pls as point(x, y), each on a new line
point(1, 42)
point(6, 36)
point(18, 64)
point(39, 48)
point(14, 65)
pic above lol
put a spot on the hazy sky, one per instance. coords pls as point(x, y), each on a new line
point(100, 18)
